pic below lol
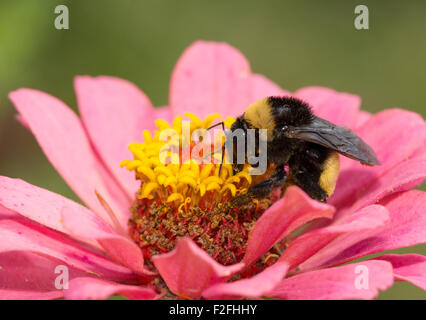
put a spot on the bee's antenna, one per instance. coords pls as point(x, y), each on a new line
point(223, 155)
point(214, 152)
point(224, 145)
point(217, 124)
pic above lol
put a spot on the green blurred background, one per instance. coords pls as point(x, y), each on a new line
point(294, 43)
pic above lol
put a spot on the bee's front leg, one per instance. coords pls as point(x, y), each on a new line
point(262, 189)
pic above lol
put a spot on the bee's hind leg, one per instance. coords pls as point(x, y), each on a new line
point(306, 170)
point(262, 189)
point(305, 181)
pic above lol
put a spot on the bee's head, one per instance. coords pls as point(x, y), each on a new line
point(289, 111)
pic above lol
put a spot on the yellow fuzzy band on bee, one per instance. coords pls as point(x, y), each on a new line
point(182, 183)
point(330, 174)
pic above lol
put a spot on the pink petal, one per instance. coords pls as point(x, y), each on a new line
point(188, 270)
point(21, 270)
point(35, 203)
point(394, 135)
point(5, 213)
point(90, 288)
point(310, 243)
point(261, 87)
point(10, 294)
point(337, 107)
point(408, 267)
point(337, 283)
point(22, 236)
point(115, 113)
point(22, 121)
point(402, 177)
point(255, 287)
point(363, 117)
point(63, 139)
point(285, 216)
point(120, 248)
point(215, 77)
point(406, 227)
point(163, 113)
point(209, 77)
point(419, 153)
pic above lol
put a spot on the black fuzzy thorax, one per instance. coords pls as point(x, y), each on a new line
point(288, 111)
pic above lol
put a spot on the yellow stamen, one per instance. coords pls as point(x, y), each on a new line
point(183, 182)
point(175, 197)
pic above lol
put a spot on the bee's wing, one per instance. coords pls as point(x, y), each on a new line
point(337, 138)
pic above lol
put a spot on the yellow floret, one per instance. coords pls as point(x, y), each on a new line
point(181, 183)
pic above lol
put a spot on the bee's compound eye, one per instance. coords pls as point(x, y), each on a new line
point(284, 128)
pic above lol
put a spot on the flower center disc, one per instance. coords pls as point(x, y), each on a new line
point(180, 196)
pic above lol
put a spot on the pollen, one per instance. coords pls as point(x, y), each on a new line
point(182, 193)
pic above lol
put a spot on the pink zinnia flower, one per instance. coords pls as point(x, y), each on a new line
point(372, 209)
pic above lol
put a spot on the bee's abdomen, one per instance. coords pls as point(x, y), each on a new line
point(330, 172)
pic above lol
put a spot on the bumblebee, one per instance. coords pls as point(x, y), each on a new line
point(306, 144)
